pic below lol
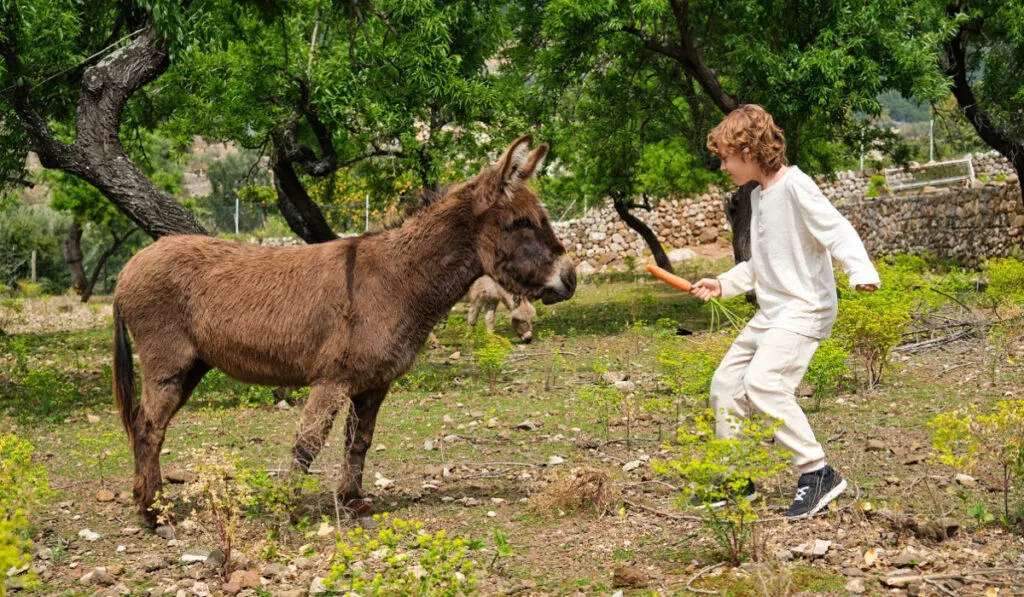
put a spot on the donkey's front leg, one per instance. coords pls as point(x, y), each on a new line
point(362, 419)
point(325, 399)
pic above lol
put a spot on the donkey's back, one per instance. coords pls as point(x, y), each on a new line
point(260, 314)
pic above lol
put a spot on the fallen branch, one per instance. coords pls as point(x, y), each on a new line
point(662, 514)
point(941, 587)
point(705, 570)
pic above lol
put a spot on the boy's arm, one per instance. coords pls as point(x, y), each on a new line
point(836, 233)
point(739, 280)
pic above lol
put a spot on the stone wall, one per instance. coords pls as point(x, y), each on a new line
point(965, 225)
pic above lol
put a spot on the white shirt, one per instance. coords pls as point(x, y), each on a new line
point(795, 232)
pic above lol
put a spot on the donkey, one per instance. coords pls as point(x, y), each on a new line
point(486, 294)
point(345, 317)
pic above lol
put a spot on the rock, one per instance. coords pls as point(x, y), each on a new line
point(275, 570)
point(283, 405)
point(447, 420)
point(325, 530)
point(195, 555)
point(555, 460)
point(115, 570)
point(614, 377)
point(291, 593)
point(428, 445)
point(131, 531)
point(93, 419)
point(817, 549)
point(382, 482)
point(677, 255)
point(165, 532)
point(909, 557)
point(318, 586)
point(784, 555)
point(492, 423)
point(201, 589)
point(526, 426)
point(179, 476)
point(585, 269)
point(247, 579)
point(89, 535)
point(231, 588)
point(627, 576)
point(632, 465)
point(455, 356)
point(625, 386)
point(153, 563)
point(966, 480)
point(433, 470)
point(875, 445)
point(215, 559)
point(855, 586)
point(105, 495)
point(97, 576)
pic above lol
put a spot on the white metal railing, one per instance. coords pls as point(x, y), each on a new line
point(892, 178)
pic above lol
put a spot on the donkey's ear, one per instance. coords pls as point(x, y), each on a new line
point(516, 157)
point(534, 162)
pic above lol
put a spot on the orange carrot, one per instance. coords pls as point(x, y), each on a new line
point(669, 278)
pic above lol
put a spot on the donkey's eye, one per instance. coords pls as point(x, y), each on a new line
point(520, 223)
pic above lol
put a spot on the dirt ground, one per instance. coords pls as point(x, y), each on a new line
point(455, 457)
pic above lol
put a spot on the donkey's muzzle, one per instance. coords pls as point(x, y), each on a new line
point(562, 284)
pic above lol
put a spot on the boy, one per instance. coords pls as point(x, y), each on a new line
point(794, 232)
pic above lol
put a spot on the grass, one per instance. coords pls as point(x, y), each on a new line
point(559, 553)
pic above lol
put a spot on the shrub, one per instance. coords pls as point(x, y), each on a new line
point(827, 369)
point(400, 558)
point(970, 441)
point(707, 468)
point(23, 484)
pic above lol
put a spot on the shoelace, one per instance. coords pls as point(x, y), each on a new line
point(800, 493)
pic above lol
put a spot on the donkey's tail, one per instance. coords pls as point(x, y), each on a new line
point(124, 375)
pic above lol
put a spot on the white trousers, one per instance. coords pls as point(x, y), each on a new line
point(762, 371)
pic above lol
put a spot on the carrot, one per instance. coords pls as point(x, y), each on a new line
point(669, 278)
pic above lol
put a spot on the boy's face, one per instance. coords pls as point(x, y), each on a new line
point(739, 168)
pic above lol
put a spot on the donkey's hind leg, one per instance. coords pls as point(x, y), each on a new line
point(315, 425)
point(474, 312)
point(362, 419)
point(162, 396)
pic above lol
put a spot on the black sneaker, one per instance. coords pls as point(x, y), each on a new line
point(718, 497)
point(814, 491)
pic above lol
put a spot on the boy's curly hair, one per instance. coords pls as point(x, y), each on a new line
point(750, 127)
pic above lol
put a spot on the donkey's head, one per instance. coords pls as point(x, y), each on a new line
point(522, 316)
point(517, 246)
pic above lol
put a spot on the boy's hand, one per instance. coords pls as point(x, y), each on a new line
point(866, 287)
point(707, 289)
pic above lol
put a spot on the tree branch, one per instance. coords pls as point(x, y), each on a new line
point(956, 67)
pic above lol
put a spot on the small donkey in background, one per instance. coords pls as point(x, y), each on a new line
point(346, 317)
point(486, 294)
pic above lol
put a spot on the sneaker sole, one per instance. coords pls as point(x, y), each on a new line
point(721, 503)
point(824, 501)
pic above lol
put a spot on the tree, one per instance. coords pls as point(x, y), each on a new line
point(813, 66)
point(988, 40)
point(372, 88)
point(65, 99)
point(318, 85)
point(89, 210)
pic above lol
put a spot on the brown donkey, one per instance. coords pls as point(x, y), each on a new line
point(345, 317)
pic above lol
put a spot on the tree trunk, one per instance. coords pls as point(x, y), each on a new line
point(739, 212)
point(622, 208)
point(956, 68)
point(72, 252)
point(299, 210)
point(100, 265)
point(97, 155)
